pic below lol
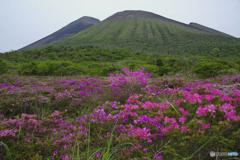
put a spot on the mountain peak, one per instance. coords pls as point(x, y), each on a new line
point(85, 19)
point(145, 31)
point(135, 14)
point(139, 14)
point(65, 32)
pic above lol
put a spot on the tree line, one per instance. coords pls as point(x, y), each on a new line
point(93, 60)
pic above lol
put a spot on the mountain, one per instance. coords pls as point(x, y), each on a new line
point(145, 31)
point(206, 29)
point(67, 31)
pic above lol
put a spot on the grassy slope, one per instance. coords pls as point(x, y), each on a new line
point(144, 34)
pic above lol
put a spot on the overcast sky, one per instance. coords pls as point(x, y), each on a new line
point(23, 22)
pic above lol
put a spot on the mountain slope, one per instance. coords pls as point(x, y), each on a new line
point(67, 31)
point(145, 31)
point(207, 29)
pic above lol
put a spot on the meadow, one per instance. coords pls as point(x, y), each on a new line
point(128, 115)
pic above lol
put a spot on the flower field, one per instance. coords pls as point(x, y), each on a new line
point(127, 116)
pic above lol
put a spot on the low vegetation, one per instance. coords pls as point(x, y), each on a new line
point(96, 61)
point(125, 116)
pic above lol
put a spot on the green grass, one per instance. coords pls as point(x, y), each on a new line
point(125, 33)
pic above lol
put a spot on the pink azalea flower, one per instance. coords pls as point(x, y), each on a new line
point(65, 147)
point(182, 119)
point(159, 118)
point(186, 94)
point(211, 108)
point(174, 126)
point(216, 92)
point(199, 132)
point(97, 155)
point(230, 115)
point(225, 98)
point(226, 107)
point(207, 87)
point(199, 121)
point(237, 118)
point(149, 141)
point(64, 157)
point(205, 126)
point(135, 107)
point(199, 86)
point(202, 111)
point(183, 100)
point(173, 120)
point(181, 110)
point(145, 150)
point(127, 107)
point(209, 97)
point(55, 152)
point(139, 146)
point(237, 94)
point(154, 136)
point(178, 103)
point(185, 113)
point(158, 156)
point(165, 130)
point(166, 120)
point(134, 114)
point(184, 129)
point(175, 91)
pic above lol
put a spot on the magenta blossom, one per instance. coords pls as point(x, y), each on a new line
point(184, 129)
point(158, 156)
point(97, 155)
point(211, 108)
point(182, 119)
point(205, 126)
point(202, 111)
point(199, 132)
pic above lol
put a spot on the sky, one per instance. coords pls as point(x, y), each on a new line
point(23, 22)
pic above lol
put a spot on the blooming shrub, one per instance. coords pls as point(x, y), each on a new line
point(177, 121)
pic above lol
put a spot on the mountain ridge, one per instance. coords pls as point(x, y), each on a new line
point(207, 29)
point(63, 33)
point(153, 16)
point(146, 15)
point(146, 31)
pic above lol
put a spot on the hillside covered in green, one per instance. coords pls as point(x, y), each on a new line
point(96, 61)
point(148, 32)
point(132, 39)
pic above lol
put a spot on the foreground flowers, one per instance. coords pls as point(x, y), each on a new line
point(154, 122)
